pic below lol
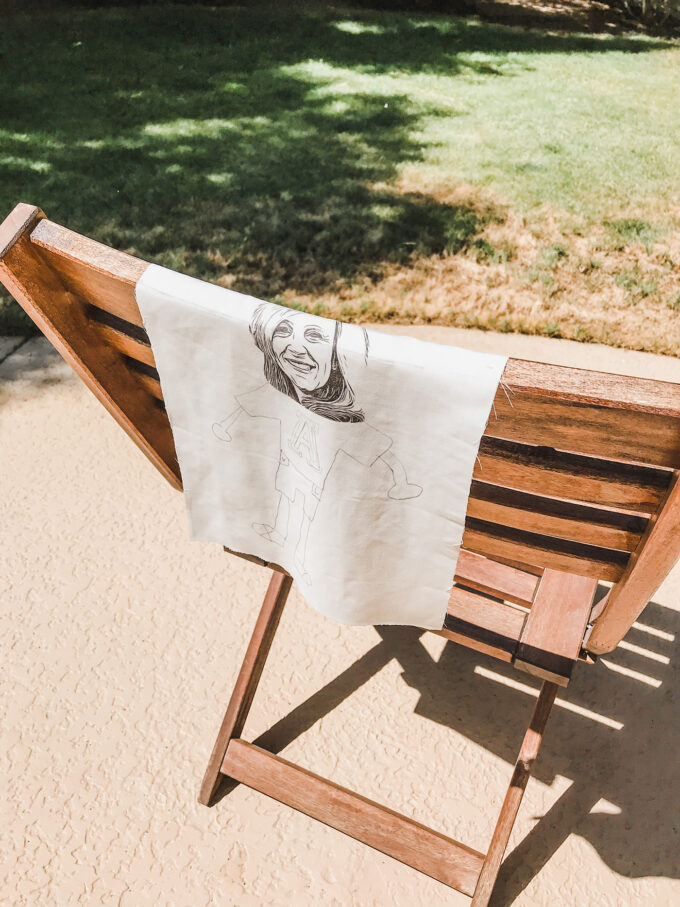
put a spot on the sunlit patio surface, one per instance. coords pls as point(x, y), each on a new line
point(121, 640)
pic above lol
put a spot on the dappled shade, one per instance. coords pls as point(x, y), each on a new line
point(211, 140)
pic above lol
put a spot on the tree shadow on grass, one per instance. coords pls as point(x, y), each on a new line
point(222, 143)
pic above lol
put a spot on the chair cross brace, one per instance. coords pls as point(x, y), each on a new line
point(411, 842)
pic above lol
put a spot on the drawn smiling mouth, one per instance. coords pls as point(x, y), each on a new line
point(300, 365)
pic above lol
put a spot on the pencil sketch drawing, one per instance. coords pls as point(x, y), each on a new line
point(302, 361)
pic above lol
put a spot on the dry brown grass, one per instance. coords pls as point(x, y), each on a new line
point(552, 276)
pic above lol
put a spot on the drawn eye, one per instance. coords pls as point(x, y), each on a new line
point(284, 329)
point(314, 335)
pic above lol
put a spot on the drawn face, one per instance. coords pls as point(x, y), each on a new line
point(304, 350)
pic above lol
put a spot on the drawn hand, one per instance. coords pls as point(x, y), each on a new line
point(403, 491)
point(221, 432)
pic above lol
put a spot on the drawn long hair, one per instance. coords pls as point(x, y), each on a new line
point(335, 399)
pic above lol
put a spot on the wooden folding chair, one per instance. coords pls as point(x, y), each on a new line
point(577, 481)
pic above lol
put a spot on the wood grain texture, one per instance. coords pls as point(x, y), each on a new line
point(485, 575)
point(561, 519)
point(89, 254)
point(247, 681)
point(477, 621)
point(656, 556)
point(513, 799)
point(499, 652)
point(21, 220)
point(552, 635)
point(520, 565)
point(127, 346)
point(554, 473)
point(636, 434)
point(60, 315)
point(112, 293)
point(518, 545)
point(149, 382)
point(397, 836)
point(583, 386)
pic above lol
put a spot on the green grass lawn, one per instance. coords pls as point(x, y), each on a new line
point(296, 153)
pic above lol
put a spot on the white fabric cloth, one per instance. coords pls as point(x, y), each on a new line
point(344, 455)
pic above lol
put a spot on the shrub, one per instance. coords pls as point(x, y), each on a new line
point(652, 12)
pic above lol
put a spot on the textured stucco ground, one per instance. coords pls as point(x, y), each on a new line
point(121, 641)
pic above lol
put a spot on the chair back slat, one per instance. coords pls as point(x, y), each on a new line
point(550, 516)
point(97, 273)
point(126, 345)
point(524, 547)
point(560, 474)
point(597, 430)
point(573, 472)
point(483, 575)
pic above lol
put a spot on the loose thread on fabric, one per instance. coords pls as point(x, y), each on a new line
point(507, 390)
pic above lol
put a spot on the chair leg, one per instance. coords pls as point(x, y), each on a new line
point(248, 679)
point(478, 882)
point(520, 776)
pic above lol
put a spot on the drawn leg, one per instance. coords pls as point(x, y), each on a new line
point(301, 548)
point(401, 490)
point(279, 532)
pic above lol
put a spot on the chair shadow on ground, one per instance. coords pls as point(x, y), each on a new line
point(616, 745)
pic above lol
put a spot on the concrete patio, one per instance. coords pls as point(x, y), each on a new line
point(121, 640)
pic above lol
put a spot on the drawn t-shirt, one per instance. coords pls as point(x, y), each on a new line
point(310, 443)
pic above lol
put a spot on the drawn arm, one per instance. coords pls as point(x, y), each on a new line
point(401, 490)
point(221, 429)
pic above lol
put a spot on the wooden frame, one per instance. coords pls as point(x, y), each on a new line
point(234, 759)
point(577, 481)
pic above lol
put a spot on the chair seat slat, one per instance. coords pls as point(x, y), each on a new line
point(485, 575)
point(552, 635)
point(482, 623)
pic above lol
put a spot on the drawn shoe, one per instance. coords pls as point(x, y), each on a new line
point(303, 576)
point(269, 533)
point(404, 492)
point(221, 432)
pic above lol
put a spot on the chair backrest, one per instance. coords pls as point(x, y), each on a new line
point(577, 471)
